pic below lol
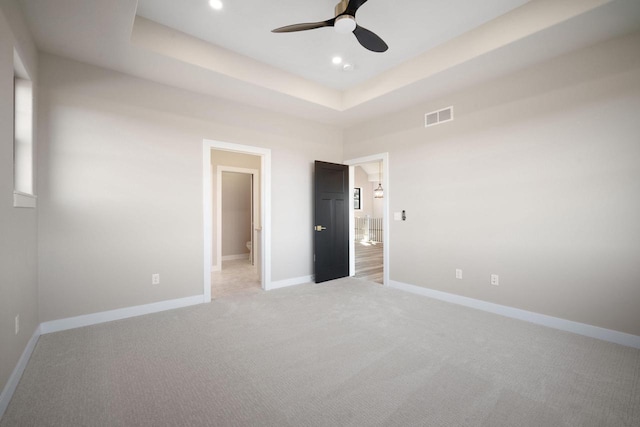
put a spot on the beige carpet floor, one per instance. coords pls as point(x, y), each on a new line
point(344, 353)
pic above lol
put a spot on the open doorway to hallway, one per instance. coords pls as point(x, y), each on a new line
point(369, 237)
point(368, 220)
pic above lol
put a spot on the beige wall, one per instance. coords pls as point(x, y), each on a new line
point(18, 228)
point(361, 180)
point(371, 206)
point(236, 213)
point(537, 180)
point(121, 184)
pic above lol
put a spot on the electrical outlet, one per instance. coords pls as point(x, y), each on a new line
point(458, 273)
point(155, 279)
point(17, 324)
point(495, 280)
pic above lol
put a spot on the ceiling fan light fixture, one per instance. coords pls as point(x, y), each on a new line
point(345, 24)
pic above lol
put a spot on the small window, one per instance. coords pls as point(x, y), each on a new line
point(23, 194)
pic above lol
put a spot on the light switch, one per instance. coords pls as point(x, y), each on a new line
point(397, 216)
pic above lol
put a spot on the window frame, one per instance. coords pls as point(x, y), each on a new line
point(23, 136)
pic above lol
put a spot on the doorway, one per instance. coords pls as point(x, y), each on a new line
point(237, 225)
point(261, 189)
point(237, 201)
point(369, 218)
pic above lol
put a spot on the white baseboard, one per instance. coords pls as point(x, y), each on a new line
point(290, 282)
point(14, 379)
point(235, 257)
point(617, 337)
point(122, 313)
point(23, 200)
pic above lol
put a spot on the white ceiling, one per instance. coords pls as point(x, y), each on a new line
point(373, 171)
point(410, 27)
point(435, 46)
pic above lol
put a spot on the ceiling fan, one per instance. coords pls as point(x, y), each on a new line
point(344, 22)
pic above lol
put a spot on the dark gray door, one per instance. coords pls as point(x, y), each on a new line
point(331, 221)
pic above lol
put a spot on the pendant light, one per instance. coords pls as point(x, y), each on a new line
point(378, 193)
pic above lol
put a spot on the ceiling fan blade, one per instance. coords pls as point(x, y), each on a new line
point(370, 40)
point(304, 27)
point(353, 6)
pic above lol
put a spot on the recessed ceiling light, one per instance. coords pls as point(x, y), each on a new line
point(347, 67)
point(216, 4)
point(336, 60)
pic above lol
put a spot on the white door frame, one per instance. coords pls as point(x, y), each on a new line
point(255, 220)
point(384, 157)
point(265, 213)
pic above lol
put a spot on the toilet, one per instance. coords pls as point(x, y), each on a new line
point(250, 252)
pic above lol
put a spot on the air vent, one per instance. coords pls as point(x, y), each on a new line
point(437, 117)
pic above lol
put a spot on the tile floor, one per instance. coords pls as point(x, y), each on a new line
point(236, 277)
point(240, 277)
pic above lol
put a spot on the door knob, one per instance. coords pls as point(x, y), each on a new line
point(319, 228)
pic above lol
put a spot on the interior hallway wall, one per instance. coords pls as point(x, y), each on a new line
point(361, 180)
point(121, 186)
point(537, 179)
point(18, 226)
